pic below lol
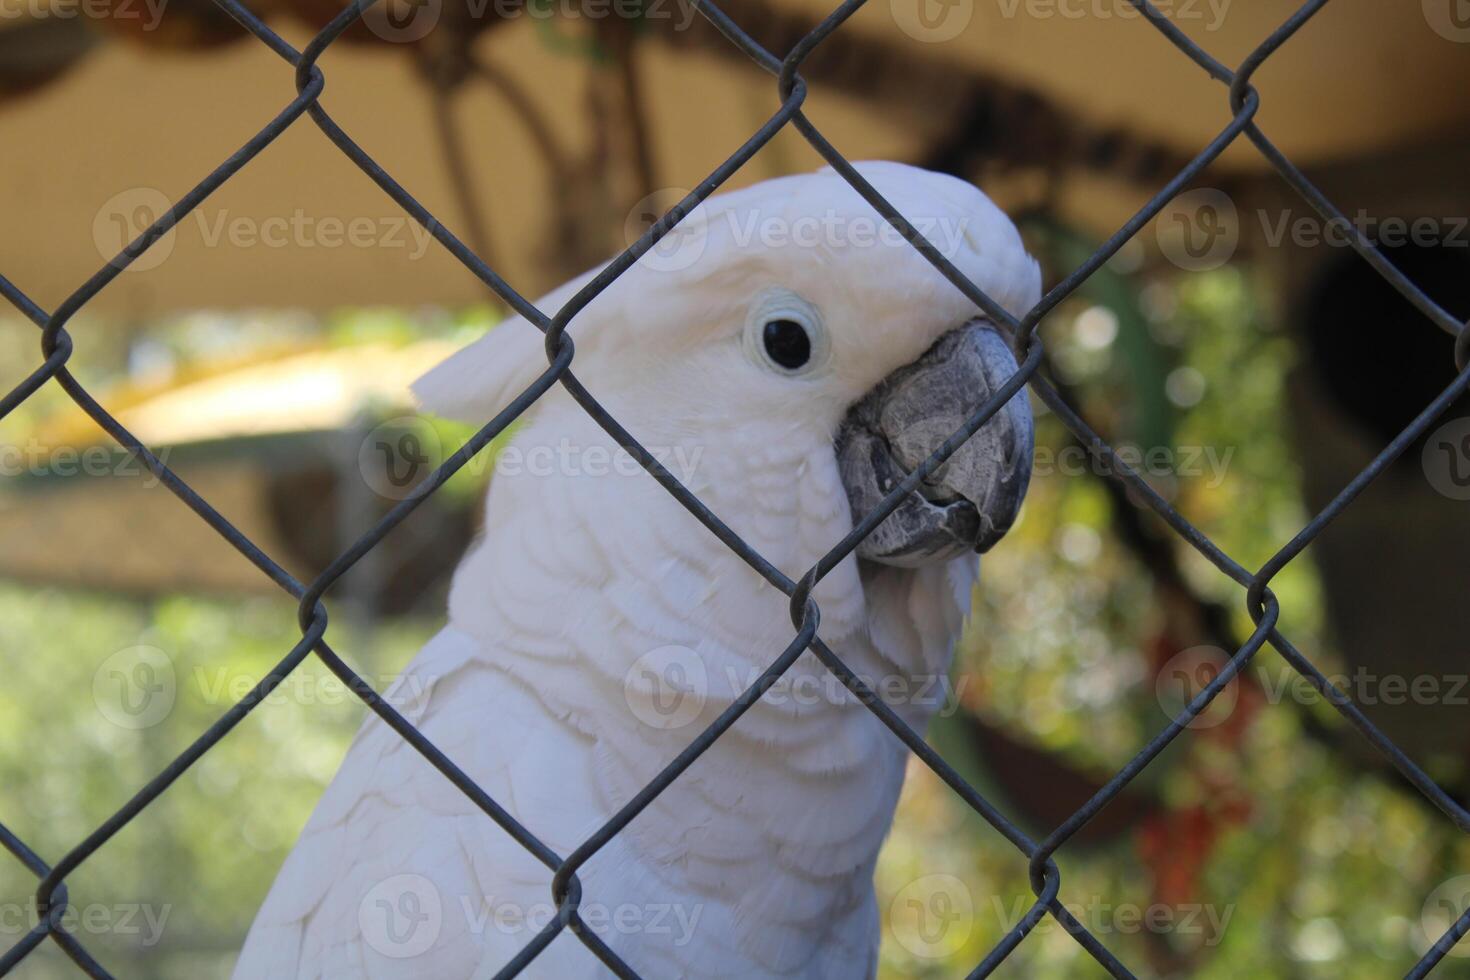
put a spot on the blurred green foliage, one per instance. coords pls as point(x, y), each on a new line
point(203, 855)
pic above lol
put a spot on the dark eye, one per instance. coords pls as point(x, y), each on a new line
point(787, 343)
point(783, 333)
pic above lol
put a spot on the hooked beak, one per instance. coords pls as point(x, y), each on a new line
point(970, 501)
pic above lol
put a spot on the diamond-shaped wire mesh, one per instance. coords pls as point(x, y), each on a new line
point(1244, 101)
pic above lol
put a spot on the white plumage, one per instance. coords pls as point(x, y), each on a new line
point(589, 579)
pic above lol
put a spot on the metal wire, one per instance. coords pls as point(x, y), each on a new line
point(1046, 876)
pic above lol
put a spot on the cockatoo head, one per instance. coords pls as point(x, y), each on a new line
point(792, 308)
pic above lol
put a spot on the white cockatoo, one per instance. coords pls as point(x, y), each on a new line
point(788, 357)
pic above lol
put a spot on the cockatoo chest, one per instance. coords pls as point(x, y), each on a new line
point(637, 627)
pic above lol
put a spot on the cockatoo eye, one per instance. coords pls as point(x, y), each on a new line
point(783, 332)
point(787, 344)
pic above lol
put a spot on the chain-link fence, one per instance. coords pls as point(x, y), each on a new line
point(1045, 873)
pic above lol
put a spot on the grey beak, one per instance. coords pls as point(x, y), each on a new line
point(969, 502)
